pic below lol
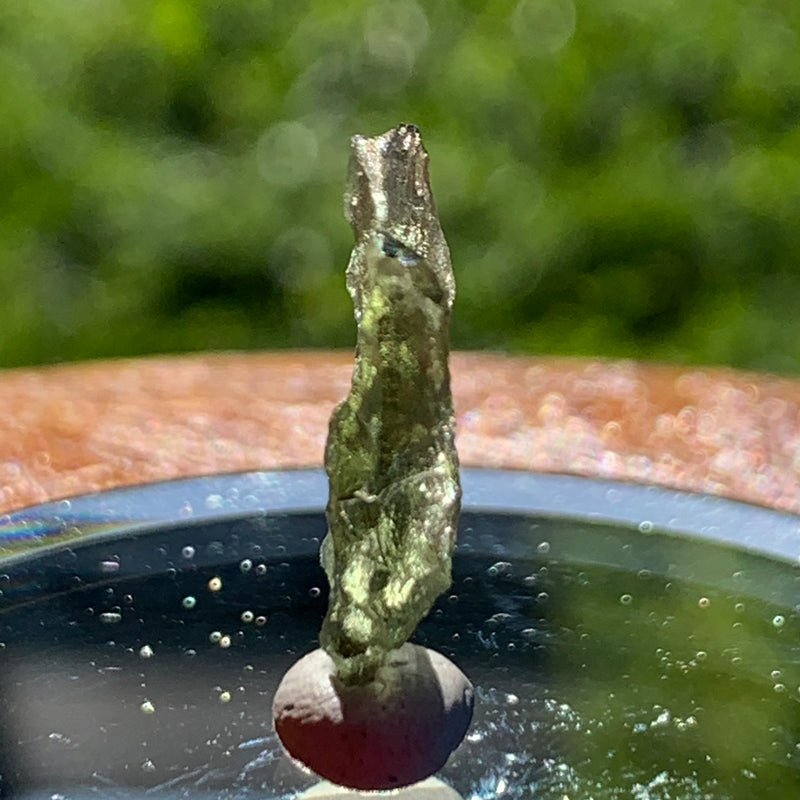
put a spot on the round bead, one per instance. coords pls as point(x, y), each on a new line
point(394, 731)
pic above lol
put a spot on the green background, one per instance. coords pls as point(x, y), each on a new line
point(615, 177)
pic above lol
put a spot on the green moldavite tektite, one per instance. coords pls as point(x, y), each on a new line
point(390, 455)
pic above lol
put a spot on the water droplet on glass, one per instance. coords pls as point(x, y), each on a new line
point(225, 697)
point(215, 584)
point(188, 552)
point(703, 602)
point(110, 617)
point(314, 592)
point(645, 526)
point(189, 602)
point(245, 565)
point(145, 651)
point(214, 637)
point(247, 617)
point(778, 621)
point(662, 719)
point(543, 547)
point(214, 502)
point(147, 707)
point(626, 599)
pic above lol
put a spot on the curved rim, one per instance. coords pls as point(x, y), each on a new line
point(651, 509)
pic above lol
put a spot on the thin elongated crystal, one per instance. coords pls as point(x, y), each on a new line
point(391, 459)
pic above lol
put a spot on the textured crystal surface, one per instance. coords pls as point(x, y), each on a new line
point(390, 456)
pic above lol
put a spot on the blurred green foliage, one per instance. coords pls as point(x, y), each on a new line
point(615, 177)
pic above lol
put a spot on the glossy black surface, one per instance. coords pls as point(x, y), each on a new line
point(614, 655)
